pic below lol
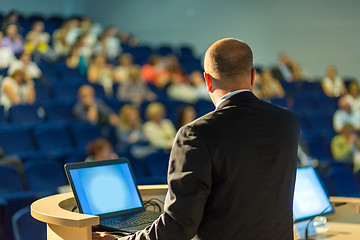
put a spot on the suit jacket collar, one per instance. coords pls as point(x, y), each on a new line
point(240, 97)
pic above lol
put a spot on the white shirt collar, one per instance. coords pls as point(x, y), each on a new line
point(229, 95)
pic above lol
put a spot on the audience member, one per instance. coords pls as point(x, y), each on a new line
point(12, 39)
point(130, 133)
point(172, 73)
point(17, 89)
point(108, 44)
point(76, 61)
point(134, 89)
point(101, 73)
point(93, 110)
point(37, 43)
point(345, 115)
point(270, 86)
point(74, 31)
point(88, 32)
point(100, 149)
point(150, 71)
point(186, 115)
point(289, 69)
point(345, 147)
point(353, 97)
point(113, 48)
point(197, 81)
point(61, 47)
point(6, 55)
point(159, 130)
point(183, 92)
point(122, 72)
point(30, 68)
point(11, 18)
point(333, 85)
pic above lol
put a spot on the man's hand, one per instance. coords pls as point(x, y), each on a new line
point(102, 236)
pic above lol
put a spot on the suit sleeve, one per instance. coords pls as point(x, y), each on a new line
point(189, 179)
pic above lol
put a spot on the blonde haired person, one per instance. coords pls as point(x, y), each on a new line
point(130, 133)
point(17, 89)
point(159, 130)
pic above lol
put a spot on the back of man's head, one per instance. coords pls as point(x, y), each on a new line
point(228, 58)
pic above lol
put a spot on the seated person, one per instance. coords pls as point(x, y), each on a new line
point(122, 72)
point(37, 43)
point(17, 89)
point(151, 71)
point(76, 61)
point(93, 110)
point(12, 39)
point(159, 130)
point(353, 97)
point(101, 73)
point(345, 115)
point(130, 133)
point(333, 85)
point(270, 86)
point(6, 55)
point(345, 147)
point(289, 69)
point(196, 79)
point(186, 115)
point(25, 64)
point(134, 89)
point(100, 149)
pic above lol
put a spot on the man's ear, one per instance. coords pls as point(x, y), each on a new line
point(253, 73)
point(208, 82)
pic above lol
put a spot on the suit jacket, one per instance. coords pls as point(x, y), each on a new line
point(231, 175)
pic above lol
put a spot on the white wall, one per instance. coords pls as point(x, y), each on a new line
point(313, 32)
point(46, 7)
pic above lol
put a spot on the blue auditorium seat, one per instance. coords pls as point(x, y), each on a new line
point(116, 104)
point(44, 176)
point(83, 133)
point(24, 114)
point(54, 139)
point(13, 197)
point(18, 140)
point(158, 165)
point(164, 50)
point(203, 107)
point(344, 182)
point(10, 180)
point(58, 111)
point(279, 102)
point(99, 90)
point(65, 91)
point(25, 227)
point(2, 115)
point(42, 93)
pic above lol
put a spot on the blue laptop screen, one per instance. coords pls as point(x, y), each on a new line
point(310, 198)
point(105, 189)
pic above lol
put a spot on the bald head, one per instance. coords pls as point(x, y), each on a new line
point(228, 58)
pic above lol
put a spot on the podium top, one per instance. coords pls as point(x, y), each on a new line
point(56, 210)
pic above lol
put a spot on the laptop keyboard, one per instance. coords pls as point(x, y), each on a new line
point(131, 220)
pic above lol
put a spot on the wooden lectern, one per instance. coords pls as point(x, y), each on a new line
point(62, 223)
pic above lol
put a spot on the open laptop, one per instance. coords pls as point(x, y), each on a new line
point(310, 200)
point(310, 196)
point(108, 189)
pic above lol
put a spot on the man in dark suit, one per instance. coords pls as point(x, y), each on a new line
point(231, 172)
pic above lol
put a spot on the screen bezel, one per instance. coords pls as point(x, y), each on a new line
point(326, 193)
point(80, 165)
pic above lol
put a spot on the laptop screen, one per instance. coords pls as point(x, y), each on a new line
point(310, 197)
point(105, 189)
